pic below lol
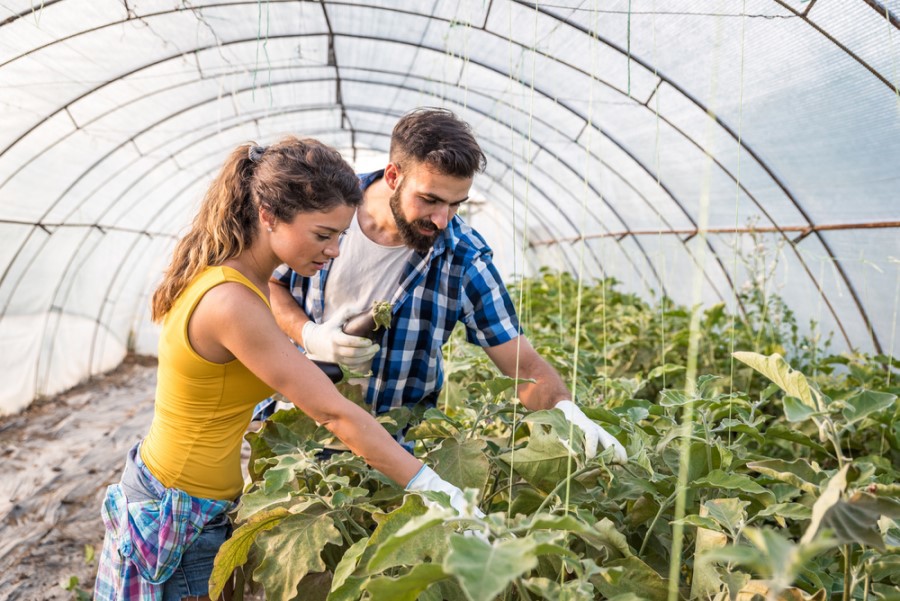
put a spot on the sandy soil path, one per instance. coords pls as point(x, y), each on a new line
point(57, 459)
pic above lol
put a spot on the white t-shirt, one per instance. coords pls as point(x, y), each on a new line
point(364, 272)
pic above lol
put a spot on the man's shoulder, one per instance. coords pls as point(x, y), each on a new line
point(464, 241)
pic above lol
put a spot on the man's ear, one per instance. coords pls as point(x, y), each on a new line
point(392, 175)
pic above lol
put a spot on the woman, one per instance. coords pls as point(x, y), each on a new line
point(220, 352)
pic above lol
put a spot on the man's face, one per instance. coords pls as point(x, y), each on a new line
point(424, 202)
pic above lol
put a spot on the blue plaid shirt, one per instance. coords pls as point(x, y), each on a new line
point(456, 281)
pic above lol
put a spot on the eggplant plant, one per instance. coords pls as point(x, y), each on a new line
point(792, 487)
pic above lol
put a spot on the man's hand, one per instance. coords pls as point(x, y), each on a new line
point(327, 342)
point(427, 479)
point(593, 433)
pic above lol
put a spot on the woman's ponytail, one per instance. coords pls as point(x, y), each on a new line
point(224, 226)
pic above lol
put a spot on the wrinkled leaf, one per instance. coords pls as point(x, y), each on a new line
point(798, 473)
point(777, 369)
point(292, 551)
point(720, 479)
point(832, 495)
point(233, 552)
point(730, 513)
point(407, 587)
point(462, 464)
point(631, 575)
point(543, 463)
point(398, 540)
point(866, 403)
point(483, 569)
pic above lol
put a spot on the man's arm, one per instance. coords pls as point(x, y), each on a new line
point(289, 315)
point(549, 391)
point(327, 341)
point(548, 388)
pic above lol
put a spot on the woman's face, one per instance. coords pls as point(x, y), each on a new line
point(308, 242)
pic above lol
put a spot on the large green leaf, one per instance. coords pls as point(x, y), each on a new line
point(484, 570)
point(407, 587)
point(730, 513)
point(782, 432)
point(777, 369)
point(865, 403)
point(855, 520)
point(495, 386)
point(462, 464)
point(348, 563)
point(720, 479)
point(398, 540)
point(292, 551)
point(798, 472)
point(796, 410)
point(831, 496)
point(793, 511)
point(602, 535)
point(543, 463)
point(233, 552)
point(631, 575)
point(259, 500)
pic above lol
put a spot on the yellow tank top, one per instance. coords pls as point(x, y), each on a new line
point(202, 408)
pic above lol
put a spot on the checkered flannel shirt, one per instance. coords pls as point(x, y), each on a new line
point(455, 281)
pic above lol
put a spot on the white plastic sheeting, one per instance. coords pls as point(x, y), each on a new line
point(612, 122)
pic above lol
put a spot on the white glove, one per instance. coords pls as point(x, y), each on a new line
point(326, 342)
point(592, 433)
point(427, 479)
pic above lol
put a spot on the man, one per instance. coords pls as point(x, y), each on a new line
point(407, 245)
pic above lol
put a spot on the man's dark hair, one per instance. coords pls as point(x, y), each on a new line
point(438, 138)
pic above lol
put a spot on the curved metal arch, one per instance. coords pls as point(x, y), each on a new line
point(602, 40)
point(591, 250)
point(741, 142)
point(612, 209)
point(367, 82)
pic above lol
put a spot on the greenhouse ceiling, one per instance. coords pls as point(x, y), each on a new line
point(647, 140)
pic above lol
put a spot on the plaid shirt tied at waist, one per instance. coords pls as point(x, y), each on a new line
point(145, 539)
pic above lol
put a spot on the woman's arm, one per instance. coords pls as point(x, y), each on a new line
point(233, 316)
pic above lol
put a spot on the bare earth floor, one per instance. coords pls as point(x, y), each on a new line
point(56, 460)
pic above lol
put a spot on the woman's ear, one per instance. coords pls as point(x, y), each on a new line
point(266, 220)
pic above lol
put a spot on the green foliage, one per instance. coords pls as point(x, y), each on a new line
point(792, 490)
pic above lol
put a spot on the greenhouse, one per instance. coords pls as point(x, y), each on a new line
point(688, 208)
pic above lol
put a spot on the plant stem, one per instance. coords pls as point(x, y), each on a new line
point(662, 507)
point(558, 487)
point(847, 586)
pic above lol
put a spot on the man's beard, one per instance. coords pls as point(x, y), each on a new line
point(409, 231)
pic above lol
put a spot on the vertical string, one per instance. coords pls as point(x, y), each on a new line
point(890, 28)
point(893, 322)
point(582, 243)
point(265, 43)
point(661, 256)
point(737, 209)
point(464, 80)
point(629, 48)
point(512, 172)
point(694, 333)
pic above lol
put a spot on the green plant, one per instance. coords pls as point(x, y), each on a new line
point(792, 481)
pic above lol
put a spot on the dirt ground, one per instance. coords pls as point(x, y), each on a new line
point(58, 457)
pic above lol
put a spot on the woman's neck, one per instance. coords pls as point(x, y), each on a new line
point(256, 264)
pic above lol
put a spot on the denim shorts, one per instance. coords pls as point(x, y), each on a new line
point(191, 577)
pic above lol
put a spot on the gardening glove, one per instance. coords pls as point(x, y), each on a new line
point(427, 479)
point(592, 433)
point(327, 342)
